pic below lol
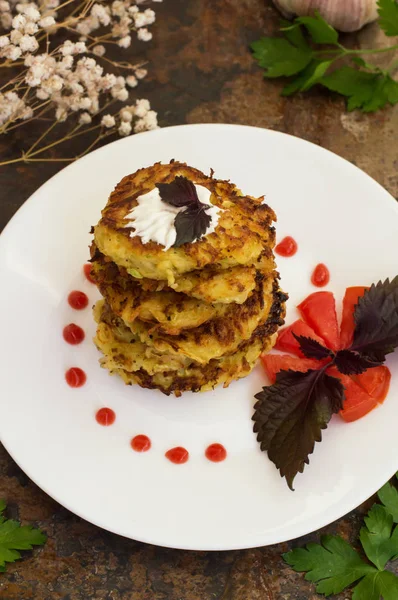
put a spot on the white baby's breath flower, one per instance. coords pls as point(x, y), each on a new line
point(118, 8)
point(31, 12)
point(108, 81)
point(11, 52)
point(85, 118)
point(26, 113)
point(133, 10)
point(150, 16)
point(140, 19)
point(6, 20)
point(99, 50)
point(61, 114)
point(131, 81)
point(47, 22)
point(108, 121)
point(101, 12)
point(141, 107)
point(31, 28)
point(85, 103)
point(124, 128)
point(144, 35)
point(42, 94)
point(147, 123)
point(141, 73)
point(4, 41)
point(19, 22)
point(4, 6)
point(125, 41)
point(126, 114)
point(15, 36)
point(80, 48)
point(28, 43)
point(121, 94)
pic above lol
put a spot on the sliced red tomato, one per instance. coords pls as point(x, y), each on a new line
point(376, 382)
point(273, 363)
point(358, 402)
point(319, 312)
point(286, 341)
point(352, 294)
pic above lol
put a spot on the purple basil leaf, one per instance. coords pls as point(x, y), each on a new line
point(376, 321)
point(180, 192)
point(290, 415)
point(349, 362)
point(191, 224)
point(311, 348)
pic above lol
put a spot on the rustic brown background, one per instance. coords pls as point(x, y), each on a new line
point(200, 70)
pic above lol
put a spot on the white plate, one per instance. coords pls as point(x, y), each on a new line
point(337, 214)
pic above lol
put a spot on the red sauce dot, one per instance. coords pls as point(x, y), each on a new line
point(78, 300)
point(140, 443)
point(105, 416)
point(216, 452)
point(73, 334)
point(87, 271)
point(75, 377)
point(177, 455)
point(321, 276)
point(287, 247)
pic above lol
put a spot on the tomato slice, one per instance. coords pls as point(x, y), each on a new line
point(273, 363)
point(286, 341)
point(352, 294)
point(376, 382)
point(358, 402)
point(319, 312)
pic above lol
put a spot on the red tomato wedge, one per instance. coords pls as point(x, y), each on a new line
point(358, 402)
point(319, 312)
point(352, 294)
point(273, 363)
point(286, 341)
point(376, 382)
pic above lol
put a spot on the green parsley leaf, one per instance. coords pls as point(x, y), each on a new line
point(389, 497)
point(333, 564)
point(388, 13)
point(366, 91)
point(294, 34)
point(379, 545)
point(14, 537)
point(320, 31)
point(279, 57)
point(310, 76)
point(381, 584)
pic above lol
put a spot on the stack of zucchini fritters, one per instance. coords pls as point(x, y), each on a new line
point(193, 316)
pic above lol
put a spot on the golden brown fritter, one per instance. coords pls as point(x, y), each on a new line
point(219, 336)
point(244, 228)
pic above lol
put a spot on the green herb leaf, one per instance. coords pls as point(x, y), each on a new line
point(334, 565)
point(294, 34)
point(388, 13)
point(14, 537)
point(380, 546)
point(320, 31)
point(290, 415)
point(381, 584)
point(388, 495)
point(279, 57)
point(366, 91)
point(307, 78)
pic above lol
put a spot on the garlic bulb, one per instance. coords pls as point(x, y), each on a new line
point(345, 15)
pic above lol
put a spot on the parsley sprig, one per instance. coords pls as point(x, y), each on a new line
point(366, 86)
point(334, 565)
point(15, 537)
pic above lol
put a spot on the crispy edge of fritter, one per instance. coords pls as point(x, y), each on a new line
point(240, 236)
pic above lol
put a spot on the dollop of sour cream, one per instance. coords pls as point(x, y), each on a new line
point(153, 219)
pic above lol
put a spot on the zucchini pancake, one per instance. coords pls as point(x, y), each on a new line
point(185, 265)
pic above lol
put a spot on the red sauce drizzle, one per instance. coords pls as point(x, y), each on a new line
point(105, 416)
point(216, 452)
point(78, 300)
point(177, 455)
point(75, 377)
point(287, 247)
point(321, 276)
point(73, 334)
point(87, 272)
point(140, 443)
